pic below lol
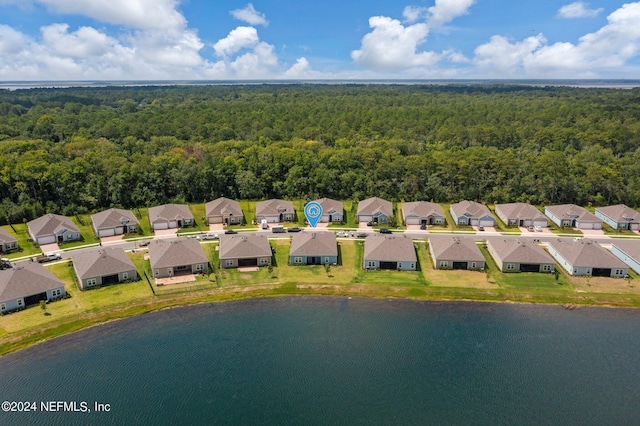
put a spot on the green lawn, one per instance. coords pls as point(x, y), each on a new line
point(386, 277)
point(22, 235)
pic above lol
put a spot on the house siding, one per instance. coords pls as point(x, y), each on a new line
point(12, 305)
point(633, 263)
point(634, 226)
point(331, 260)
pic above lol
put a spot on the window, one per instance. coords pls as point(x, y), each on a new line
point(199, 267)
point(56, 292)
point(157, 272)
point(473, 265)
point(264, 260)
point(399, 265)
point(444, 263)
point(546, 268)
point(297, 260)
point(510, 266)
point(229, 262)
point(125, 275)
point(3, 307)
point(20, 302)
point(91, 282)
point(326, 260)
point(412, 266)
point(371, 264)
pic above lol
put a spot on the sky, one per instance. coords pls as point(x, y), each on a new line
point(292, 39)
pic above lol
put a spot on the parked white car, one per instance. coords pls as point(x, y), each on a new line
point(342, 234)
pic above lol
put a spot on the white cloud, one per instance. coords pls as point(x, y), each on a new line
point(85, 42)
point(578, 9)
point(445, 11)
point(238, 39)
point(391, 45)
point(139, 14)
point(603, 51)
point(250, 15)
point(412, 13)
point(302, 70)
point(11, 41)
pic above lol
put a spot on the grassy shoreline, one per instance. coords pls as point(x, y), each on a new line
point(97, 306)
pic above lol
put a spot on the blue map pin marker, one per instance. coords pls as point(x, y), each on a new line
point(313, 212)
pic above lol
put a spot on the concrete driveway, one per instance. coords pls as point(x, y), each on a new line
point(166, 233)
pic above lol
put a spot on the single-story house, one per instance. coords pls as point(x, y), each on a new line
point(240, 250)
point(619, 217)
point(582, 256)
point(374, 210)
point(521, 214)
point(108, 265)
point(170, 216)
point(384, 251)
point(628, 251)
point(27, 284)
point(422, 213)
point(53, 228)
point(570, 215)
point(332, 210)
point(7, 242)
point(275, 211)
point(313, 248)
point(114, 222)
point(224, 210)
point(471, 213)
point(454, 252)
point(515, 255)
point(178, 256)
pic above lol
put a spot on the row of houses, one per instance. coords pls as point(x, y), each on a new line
point(53, 228)
point(578, 256)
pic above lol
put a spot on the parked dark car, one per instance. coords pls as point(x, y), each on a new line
point(230, 231)
point(423, 226)
point(294, 229)
point(361, 235)
point(144, 243)
point(480, 228)
point(369, 223)
point(385, 231)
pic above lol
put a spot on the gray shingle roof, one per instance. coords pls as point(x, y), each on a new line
point(620, 213)
point(421, 209)
point(329, 205)
point(102, 262)
point(274, 207)
point(223, 207)
point(585, 253)
point(313, 244)
point(567, 211)
point(389, 248)
point(244, 246)
point(175, 252)
point(112, 218)
point(26, 279)
point(374, 205)
point(470, 208)
point(6, 238)
point(520, 211)
point(630, 247)
point(455, 248)
point(50, 224)
point(514, 250)
point(170, 212)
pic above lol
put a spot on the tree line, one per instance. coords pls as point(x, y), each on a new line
point(81, 150)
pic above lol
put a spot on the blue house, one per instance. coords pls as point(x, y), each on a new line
point(313, 248)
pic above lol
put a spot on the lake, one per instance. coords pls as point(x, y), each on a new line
point(322, 360)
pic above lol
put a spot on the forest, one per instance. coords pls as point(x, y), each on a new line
point(81, 150)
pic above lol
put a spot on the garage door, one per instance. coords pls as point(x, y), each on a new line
point(486, 222)
point(601, 272)
point(525, 267)
point(541, 223)
point(215, 219)
point(160, 225)
point(413, 221)
point(46, 240)
point(460, 265)
point(107, 232)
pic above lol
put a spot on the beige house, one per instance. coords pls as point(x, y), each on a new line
point(240, 250)
point(274, 211)
point(374, 210)
point(178, 256)
point(385, 251)
point(108, 265)
point(471, 213)
point(570, 215)
point(170, 216)
point(53, 228)
point(515, 255)
point(332, 210)
point(114, 222)
point(422, 213)
point(521, 214)
point(619, 217)
point(224, 210)
point(455, 252)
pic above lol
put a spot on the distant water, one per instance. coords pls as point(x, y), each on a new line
point(579, 83)
point(340, 361)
